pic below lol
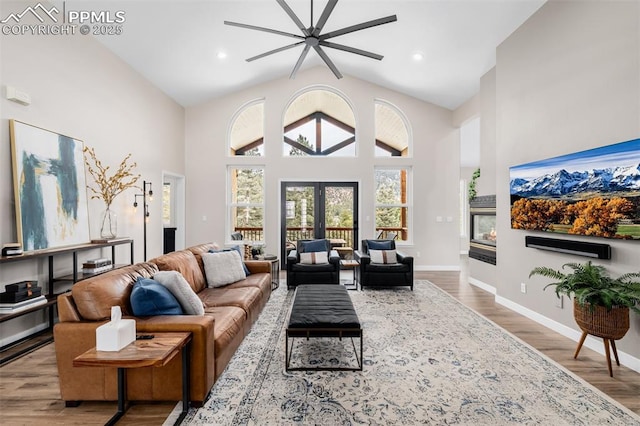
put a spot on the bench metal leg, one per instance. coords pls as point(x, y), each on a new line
point(359, 356)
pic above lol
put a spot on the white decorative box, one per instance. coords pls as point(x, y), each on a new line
point(117, 333)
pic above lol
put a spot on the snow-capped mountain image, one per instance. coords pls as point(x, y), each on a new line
point(563, 183)
point(594, 193)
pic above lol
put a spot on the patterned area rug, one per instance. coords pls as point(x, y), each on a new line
point(427, 360)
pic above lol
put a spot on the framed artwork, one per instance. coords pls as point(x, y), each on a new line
point(594, 192)
point(50, 188)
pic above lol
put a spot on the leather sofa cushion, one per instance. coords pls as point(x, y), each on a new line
point(247, 298)
point(183, 261)
point(261, 281)
point(95, 297)
point(229, 322)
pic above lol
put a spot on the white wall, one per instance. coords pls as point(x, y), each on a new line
point(79, 88)
point(434, 161)
point(567, 80)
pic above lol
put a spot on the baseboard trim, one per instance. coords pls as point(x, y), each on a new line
point(482, 285)
point(25, 333)
point(591, 342)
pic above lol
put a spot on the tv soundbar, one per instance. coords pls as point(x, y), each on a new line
point(595, 250)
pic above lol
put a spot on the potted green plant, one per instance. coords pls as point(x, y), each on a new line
point(601, 303)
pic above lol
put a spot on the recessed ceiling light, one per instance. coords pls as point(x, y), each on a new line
point(222, 55)
point(417, 56)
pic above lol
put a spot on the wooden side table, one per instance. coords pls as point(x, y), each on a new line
point(155, 352)
point(350, 264)
point(275, 273)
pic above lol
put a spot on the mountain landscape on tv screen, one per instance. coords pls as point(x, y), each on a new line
point(594, 192)
point(621, 181)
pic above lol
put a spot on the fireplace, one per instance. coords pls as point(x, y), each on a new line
point(482, 232)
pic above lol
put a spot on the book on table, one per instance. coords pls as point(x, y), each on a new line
point(96, 270)
point(10, 308)
point(96, 263)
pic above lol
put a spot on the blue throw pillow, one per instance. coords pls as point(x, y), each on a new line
point(149, 298)
point(240, 252)
point(314, 246)
point(380, 245)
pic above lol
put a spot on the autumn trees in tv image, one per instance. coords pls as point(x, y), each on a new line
point(614, 217)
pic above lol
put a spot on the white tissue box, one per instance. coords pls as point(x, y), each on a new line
point(114, 336)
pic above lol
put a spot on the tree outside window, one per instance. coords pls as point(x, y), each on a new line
point(392, 203)
point(247, 202)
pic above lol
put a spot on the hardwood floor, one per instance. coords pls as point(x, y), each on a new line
point(30, 395)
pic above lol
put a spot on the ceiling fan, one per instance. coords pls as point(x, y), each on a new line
point(312, 37)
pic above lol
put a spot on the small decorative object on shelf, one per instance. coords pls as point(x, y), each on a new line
point(12, 249)
point(257, 250)
point(108, 187)
point(108, 223)
point(95, 266)
point(20, 292)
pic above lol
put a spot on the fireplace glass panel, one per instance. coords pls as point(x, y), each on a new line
point(484, 229)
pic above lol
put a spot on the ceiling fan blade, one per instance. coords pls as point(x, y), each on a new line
point(293, 16)
point(268, 30)
point(271, 52)
point(303, 55)
point(327, 61)
point(358, 27)
point(323, 18)
point(351, 50)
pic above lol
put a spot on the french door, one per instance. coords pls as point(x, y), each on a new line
point(318, 210)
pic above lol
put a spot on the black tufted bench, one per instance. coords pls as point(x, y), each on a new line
point(323, 310)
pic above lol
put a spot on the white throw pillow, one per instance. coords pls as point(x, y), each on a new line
point(223, 268)
point(314, 258)
point(383, 256)
point(181, 290)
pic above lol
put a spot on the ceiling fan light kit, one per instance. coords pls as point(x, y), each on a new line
point(312, 38)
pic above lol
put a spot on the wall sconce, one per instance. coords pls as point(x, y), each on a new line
point(147, 195)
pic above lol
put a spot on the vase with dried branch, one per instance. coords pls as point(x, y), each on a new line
point(109, 186)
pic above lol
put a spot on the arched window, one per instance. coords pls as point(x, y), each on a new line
point(392, 131)
point(246, 135)
point(319, 122)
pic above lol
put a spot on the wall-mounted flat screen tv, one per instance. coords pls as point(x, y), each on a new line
point(594, 192)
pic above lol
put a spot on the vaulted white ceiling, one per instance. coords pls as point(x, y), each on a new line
point(175, 44)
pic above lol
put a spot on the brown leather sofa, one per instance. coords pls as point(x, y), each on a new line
point(230, 312)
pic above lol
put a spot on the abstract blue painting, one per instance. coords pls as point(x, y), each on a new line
point(49, 187)
point(594, 192)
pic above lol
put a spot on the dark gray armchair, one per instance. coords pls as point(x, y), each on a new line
point(397, 273)
point(304, 273)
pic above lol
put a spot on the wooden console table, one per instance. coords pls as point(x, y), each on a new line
point(155, 352)
point(35, 340)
